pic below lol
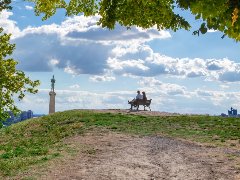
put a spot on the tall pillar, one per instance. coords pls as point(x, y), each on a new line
point(52, 102)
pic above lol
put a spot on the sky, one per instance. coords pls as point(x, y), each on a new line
point(97, 68)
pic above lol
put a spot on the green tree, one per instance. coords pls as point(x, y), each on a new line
point(13, 82)
point(221, 15)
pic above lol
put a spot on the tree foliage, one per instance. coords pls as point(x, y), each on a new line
point(13, 82)
point(5, 4)
point(221, 15)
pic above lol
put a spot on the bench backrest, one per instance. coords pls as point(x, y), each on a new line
point(144, 102)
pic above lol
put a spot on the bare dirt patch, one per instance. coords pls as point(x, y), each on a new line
point(111, 155)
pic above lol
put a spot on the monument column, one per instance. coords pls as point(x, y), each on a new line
point(52, 95)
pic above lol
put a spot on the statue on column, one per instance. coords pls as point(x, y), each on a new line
point(52, 83)
point(52, 95)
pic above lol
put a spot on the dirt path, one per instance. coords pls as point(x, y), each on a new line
point(110, 155)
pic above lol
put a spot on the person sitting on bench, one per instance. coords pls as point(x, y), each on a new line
point(140, 100)
point(134, 102)
point(139, 96)
point(144, 96)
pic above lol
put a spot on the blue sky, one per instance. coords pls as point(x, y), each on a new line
point(101, 68)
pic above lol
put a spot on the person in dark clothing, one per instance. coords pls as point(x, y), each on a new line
point(144, 96)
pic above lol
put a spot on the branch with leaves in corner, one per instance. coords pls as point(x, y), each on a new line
point(13, 82)
point(5, 4)
point(219, 15)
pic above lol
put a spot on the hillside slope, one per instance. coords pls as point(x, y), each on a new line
point(35, 143)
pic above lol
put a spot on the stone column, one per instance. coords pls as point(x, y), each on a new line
point(52, 102)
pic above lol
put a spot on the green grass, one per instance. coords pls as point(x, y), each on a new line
point(38, 140)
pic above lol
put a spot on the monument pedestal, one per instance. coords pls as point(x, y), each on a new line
point(52, 102)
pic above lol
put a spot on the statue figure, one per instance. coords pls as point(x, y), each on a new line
point(52, 83)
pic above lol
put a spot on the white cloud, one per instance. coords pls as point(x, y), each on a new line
point(71, 70)
point(79, 46)
point(103, 78)
point(152, 85)
point(211, 31)
point(223, 86)
point(154, 64)
point(54, 62)
point(8, 25)
point(150, 82)
point(75, 86)
point(130, 64)
point(28, 7)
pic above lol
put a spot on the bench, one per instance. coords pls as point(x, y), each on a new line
point(137, 102)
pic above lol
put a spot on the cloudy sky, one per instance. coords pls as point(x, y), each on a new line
point(101, 68)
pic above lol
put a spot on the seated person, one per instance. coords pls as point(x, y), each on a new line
point(144, 96)
point(139, 96)
point(135, 100)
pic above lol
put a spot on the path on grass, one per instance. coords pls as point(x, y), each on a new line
point(112, 155)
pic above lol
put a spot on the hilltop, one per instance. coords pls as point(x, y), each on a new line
point(118, 144)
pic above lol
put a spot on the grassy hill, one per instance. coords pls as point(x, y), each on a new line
point(36, 141)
